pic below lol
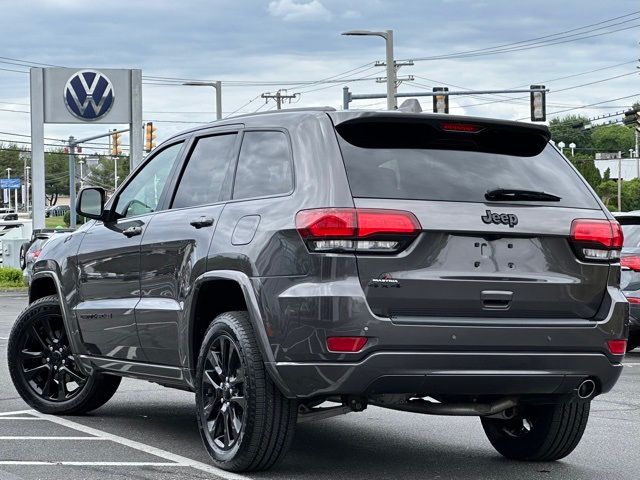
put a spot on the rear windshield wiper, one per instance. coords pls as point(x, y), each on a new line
point(518, 194)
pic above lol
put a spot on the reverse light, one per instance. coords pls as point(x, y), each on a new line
point(357, 229)
point(597, 239)
point(346, 344)
point(617, 347)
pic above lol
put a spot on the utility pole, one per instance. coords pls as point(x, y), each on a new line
point(619, 181)
point(279, 97)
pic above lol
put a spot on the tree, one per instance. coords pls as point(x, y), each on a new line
point(101, 175)
point(570, 129)
point(613, 138)
point(56, 176)
point(587, 167)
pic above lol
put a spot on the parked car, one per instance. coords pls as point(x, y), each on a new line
point(270, 263)
point(630, 275)
point(56, 210)
point(30, 251)
point(8, 214)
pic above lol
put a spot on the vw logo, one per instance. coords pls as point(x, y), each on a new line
point(88, 94)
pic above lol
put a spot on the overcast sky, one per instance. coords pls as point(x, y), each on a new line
point(299, 40)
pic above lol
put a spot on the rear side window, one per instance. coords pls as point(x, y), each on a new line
point(264, 166)
point(392, 170)
point(631, 235)
point(203, 177)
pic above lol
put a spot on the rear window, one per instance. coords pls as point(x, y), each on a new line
point(395, 171)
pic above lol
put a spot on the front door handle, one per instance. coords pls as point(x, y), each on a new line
point(201, 222)
point(132, 231)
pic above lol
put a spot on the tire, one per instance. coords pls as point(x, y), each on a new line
point(633, 342)
point(234, 394)
point(554, 431)
point(43, 368)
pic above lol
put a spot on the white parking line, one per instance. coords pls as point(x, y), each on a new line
point(92, 464)
point(178, 459)
point(21, 418)
point(18, 412)
point(54, 438)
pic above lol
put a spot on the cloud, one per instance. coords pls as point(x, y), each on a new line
point(290, 10)
point(351, 14)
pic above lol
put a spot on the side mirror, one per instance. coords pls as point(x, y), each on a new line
point(90, 203)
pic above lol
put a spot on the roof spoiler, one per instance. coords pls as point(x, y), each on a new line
point(442, 132)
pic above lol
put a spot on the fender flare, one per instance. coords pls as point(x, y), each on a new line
point(68, 318)
point(255, 317)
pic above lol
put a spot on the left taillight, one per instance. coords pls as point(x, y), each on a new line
point(357, 229)
point(596, 239)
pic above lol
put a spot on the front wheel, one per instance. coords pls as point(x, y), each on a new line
point(246, 424)
point(539, 432)
point(43, 368)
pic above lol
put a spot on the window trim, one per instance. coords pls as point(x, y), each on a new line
point(225, 192)
point(237, 161)
point(113, 201)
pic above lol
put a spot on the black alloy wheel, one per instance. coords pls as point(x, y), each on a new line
point(224, 403)
point(47, 363)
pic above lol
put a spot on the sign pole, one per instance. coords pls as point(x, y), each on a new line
point(37, 146)
point(72, 183)
point(136, 134)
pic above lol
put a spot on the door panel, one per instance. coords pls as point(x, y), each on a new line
point(173, 255)
point(109, 263)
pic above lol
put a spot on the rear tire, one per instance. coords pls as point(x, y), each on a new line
point(43, 368)
point(246, 424)
point(539, 432)
point(633, 342)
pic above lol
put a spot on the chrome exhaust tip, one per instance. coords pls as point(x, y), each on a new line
point(586, 389)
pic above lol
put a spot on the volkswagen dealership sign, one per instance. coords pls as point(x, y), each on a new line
point(87, 95)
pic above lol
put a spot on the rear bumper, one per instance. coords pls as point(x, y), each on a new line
point(432, 355)
point(452, 373)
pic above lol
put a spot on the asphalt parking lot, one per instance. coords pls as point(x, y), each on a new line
point(149, 432)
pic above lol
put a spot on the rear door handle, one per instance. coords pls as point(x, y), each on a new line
point(132, 231)
point(201, 222)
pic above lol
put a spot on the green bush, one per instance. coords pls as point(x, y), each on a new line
point(11, 277)
point(67, 219)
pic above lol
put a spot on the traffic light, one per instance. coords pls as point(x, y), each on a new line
point(116, 143)
point(149, 137)
point(440, 102)
point(538, 102)
point(632, 116)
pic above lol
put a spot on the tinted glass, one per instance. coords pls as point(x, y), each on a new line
point(264, 166)
point(142, 194)
point(204, 175)
point(460, 176)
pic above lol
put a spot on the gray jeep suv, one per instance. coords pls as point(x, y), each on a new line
point(296, 265)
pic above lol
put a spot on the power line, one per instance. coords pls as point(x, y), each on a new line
point(535, 43)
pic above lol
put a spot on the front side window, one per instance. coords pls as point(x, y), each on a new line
point(203, 179)
point(142, 194)
point(264, 166)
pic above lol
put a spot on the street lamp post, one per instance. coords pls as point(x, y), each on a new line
point(572, 146)
point(391, 66)
point(561, 146)
point(218, 86)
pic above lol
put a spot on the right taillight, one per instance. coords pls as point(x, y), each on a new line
point(364, 230)
point(596, 239)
